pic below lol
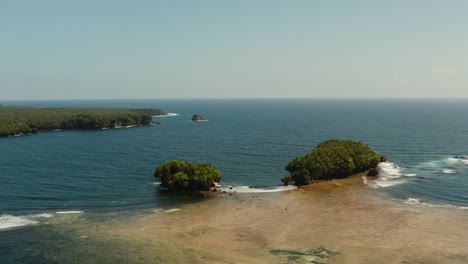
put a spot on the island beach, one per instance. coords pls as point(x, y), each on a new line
point(347, 216)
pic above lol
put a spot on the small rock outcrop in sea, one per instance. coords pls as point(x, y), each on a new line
point(197, 118)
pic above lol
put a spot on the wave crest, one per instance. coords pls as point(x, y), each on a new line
point(248, 189)
point(11, 221)
point(389, 175)
point(166, 115)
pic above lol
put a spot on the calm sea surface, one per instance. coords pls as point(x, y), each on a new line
point(55, 175)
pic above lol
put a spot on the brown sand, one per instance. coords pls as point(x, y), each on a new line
point(343, 215)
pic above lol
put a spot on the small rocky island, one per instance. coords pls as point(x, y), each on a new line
point(332, 159)
point(198, 118)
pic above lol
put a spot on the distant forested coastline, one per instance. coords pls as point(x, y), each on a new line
point(20, 120)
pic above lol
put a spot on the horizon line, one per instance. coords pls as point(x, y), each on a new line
point(245, 98)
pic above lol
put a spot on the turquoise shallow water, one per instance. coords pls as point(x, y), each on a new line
point(250, 141)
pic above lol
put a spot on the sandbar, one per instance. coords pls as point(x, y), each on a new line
point(363, 224)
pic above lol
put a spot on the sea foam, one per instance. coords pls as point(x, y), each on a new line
point(166, 115)
point(452, 160)
point(389, 175)
point(455, 159)
point(43, 215)
point(11, 221)
point(414, 201)
point(248, 189)
point(69, 212)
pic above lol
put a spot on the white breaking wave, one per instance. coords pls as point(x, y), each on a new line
point(389, 175)
point(10, 221)
point(44, 215)
point(69, 212)
point(448, 165)
point(172, 210)
point(386, 183)
point(414, 201)
point(453, 160)
point(437, 164)
point(390, 170)
point(247, 189)
point(410, 174)
point(166, 115)
point(457, 159)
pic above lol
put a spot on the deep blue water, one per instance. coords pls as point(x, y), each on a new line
point(250, 141)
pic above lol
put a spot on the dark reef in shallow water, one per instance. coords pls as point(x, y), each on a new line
point(317, 255)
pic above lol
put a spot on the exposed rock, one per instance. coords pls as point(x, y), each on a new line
point(383, 159)
point(317, 255)
point(372, 172)
point(197, 118)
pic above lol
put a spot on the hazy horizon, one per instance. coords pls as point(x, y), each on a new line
point(56, 50)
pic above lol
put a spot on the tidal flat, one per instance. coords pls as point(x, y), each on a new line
point(352, 220)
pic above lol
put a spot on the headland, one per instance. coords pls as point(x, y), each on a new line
point(21, 120)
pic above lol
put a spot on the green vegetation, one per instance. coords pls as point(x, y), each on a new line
point(187, 176)
point(286, 179)
point(331, 159)
point(22, 120)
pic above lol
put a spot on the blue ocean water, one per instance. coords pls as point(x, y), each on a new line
point(250, 141)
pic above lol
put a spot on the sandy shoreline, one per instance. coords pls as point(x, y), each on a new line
point(344, 215)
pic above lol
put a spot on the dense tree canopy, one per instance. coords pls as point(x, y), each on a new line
point(22, 120)
point(331, 159)
point(187, 176)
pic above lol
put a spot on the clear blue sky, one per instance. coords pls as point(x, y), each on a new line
point(233, 49)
